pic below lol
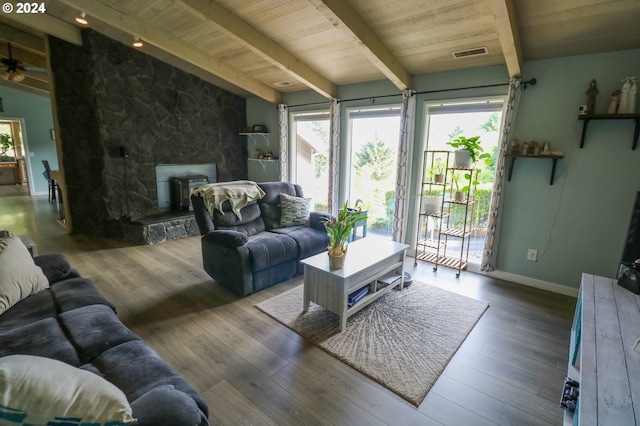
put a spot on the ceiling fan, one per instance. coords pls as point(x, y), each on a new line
point(13, 70)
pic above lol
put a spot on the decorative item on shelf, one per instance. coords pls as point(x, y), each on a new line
point(628, 96)
point(591, 93)
point(515, 147)
point(258, 153)
point(534, 148)
point(268, 156)
point(260, 128)
point(468, 151)
point(582, 110)
point(546, 148)
point(339, 229)
point(525, 148)
point(614, 103)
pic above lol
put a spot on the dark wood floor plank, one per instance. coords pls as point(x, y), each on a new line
point(253, 370)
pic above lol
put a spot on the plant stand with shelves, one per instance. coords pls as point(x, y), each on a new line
point(438, 229)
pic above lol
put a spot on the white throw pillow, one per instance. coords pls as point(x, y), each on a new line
point(19, 275)
point(36, 390)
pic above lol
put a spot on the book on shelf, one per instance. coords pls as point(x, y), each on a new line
point(357, 295)
point(390, 279)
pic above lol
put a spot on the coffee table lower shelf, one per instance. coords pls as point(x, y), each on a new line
point(367, 261)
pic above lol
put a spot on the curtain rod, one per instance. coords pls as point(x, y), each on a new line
point(531, 82)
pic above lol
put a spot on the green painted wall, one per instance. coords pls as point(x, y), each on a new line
point(578, 224)
point(36, 112)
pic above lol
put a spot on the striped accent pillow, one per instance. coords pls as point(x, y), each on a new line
point(295, 210)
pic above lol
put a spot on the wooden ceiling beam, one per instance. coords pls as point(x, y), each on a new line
point(225, 20)
point(30, 85)
point(50, 25)
point(27, 58)
point(507, 28)
point(24, 40)
point(163, 39)
point(347, 20)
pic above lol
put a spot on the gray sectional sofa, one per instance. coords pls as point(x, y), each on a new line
point(72, 322)
point(250, 254)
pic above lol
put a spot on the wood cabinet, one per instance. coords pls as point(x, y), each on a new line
point(602, 357)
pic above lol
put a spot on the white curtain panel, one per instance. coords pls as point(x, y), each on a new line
point(283, 117)
point(508, 120)
point(334, 155)
point(401, 208)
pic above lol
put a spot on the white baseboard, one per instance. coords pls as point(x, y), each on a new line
point(519, 279)
point(533, 282)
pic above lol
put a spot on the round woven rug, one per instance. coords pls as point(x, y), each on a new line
point(404, 340)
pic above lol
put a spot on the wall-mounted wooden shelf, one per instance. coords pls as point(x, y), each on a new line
point(587, 118)
point(554, 159)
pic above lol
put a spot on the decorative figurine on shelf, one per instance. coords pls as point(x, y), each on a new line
point(628, 96)
point(545, 148)
point(525, 148)
point(615, 101)
point(591, 93)
point(258, 153)
point(535, 148)
point(515, 147)
point(268, 156)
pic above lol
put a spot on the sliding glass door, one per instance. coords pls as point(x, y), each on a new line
point(373, 148)
point(477, 117)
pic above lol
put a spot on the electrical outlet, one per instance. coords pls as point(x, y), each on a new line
point(532, 255)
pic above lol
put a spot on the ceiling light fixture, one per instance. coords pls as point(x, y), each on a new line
point(137, 43)
point(82, 19)
point(11, 75)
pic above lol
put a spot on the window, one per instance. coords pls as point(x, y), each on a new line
point(310, 156)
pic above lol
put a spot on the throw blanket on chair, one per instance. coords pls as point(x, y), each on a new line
point(239, 193)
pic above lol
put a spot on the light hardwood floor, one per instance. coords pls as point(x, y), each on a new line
point(252, 370)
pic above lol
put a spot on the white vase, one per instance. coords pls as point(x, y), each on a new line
point(462, 159)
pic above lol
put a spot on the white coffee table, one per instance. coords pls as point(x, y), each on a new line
point(367, 260)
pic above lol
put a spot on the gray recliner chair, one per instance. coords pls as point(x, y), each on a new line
point(249, 254)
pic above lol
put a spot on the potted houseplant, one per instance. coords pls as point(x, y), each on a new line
point(468, 151)
point(438, 175)
point(339, 229)
point(432, 201)
point(459, 194)
point(6, 145)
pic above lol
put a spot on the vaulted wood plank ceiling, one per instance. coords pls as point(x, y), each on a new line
point(264, 48)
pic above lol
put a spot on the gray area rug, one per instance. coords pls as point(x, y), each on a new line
point(404, 340)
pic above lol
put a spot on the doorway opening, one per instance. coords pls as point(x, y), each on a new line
point(12, 153)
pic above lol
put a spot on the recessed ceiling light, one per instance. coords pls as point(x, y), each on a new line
point(282, 84)
point(82, 19)
point(137, 43)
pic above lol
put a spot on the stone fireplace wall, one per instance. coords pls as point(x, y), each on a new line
point(110, 95)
